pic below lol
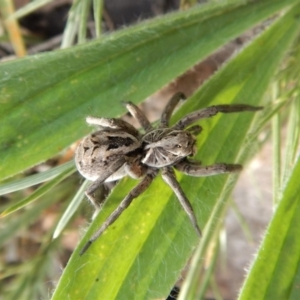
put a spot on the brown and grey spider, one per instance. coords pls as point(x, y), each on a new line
point(119, 149)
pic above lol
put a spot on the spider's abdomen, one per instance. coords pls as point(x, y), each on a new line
point(165, 147)
point(104, 150)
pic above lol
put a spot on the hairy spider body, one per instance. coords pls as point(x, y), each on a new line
point(165, 147)
point(105, 149)
point(119, 150)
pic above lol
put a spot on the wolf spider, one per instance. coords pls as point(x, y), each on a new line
point(119, 149)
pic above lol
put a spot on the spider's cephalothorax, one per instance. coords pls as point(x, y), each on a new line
point(118, 149)
point(165, 147)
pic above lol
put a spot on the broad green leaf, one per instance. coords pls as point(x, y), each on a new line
point(140, 256)
point(275, 273)
point(45, 97)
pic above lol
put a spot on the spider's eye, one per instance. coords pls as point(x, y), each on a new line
point(178, 146)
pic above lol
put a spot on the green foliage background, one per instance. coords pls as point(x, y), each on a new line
point(45, 98)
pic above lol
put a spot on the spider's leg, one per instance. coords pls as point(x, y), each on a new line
point(99, 181)
point(134, 168)
point(194, 168)
point(91, 190)
point(113, 124)
point(138, 115)
point(168, 176)
point(165, 117)
point(90, 194)
point(135, 192)
point(212, 111)
point(195, 130)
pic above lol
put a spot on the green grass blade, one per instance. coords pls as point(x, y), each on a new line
point(97, 13)
point(38, 192)
point(29, 181)
point(195, 285)
point(276, 149)
point(72, 26)
point(16, 223)
point(84, 14)
point(141, 255)
point(35, 273)
point(71, 209)
point(293, 139)
point(29, 8)
point(275, 273)
point(45, 98)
